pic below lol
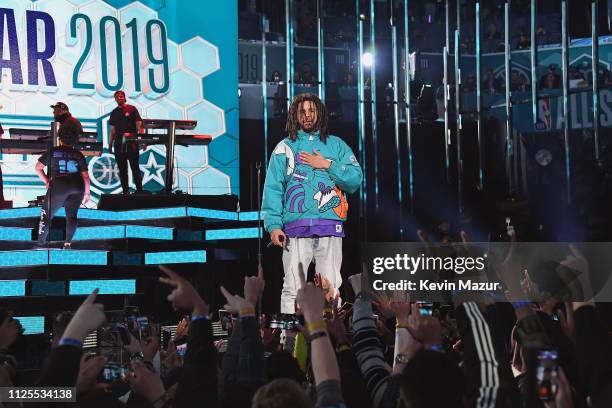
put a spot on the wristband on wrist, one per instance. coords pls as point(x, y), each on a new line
point(521, 303)
point(315, 326)
point(436, 347)
point(246, 311)
point(317, 335)
point(70, 342)
point(198, 317)
point(343, 347)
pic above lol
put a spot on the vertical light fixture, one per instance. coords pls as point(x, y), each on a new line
point(566, 116)
point(407, 105)
point(321, 50)
point(373, 97)
point(595, 70)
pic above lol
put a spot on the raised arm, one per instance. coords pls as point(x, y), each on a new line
point(198, 380)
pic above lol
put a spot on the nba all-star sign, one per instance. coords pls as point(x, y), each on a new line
point(174, 60)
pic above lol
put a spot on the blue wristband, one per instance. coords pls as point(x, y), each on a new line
point(521, 303)
point(198, 317)
point(436, 347)
point(70, 342)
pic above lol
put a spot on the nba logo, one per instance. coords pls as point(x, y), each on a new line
point(544, 117)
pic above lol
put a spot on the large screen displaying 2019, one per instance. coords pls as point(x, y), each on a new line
point(175, 59)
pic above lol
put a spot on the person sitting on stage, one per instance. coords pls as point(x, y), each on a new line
point(125, 123)
point(67, 184)
point(61, 114)
point(304, 197)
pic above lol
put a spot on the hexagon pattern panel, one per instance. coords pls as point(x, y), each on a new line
point(161, 52)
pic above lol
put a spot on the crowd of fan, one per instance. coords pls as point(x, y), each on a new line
point(474, 356)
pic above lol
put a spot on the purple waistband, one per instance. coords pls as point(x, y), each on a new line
point(310, 227)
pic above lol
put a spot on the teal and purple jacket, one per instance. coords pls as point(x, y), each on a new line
point(304, 201)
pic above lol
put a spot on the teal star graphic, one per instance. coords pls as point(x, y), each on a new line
point(152, 171)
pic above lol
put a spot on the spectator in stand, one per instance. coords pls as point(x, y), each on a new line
point(517, 84)
point(605, 77)
point(306, 77)
point(551, 79)
point(576, 78)
point(470, 84)
point(541, 35)
point(523, 42)
point(276, 77)
point(492, 33)
point(491, 84)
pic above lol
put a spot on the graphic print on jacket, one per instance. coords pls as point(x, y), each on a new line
point(298, 195)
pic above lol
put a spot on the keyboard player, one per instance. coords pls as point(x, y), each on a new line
point(61, 114)
point(125, 123)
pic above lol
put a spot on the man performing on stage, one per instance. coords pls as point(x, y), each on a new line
point(304, 196)
point(125, 123)
point(67, 184)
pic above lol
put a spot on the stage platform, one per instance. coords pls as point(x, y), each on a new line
point(119, 251)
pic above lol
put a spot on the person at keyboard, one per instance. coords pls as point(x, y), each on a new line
point(67, 182)
point(125, 123)
point(61, 114)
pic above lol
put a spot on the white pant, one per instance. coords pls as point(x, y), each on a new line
point(327, 255)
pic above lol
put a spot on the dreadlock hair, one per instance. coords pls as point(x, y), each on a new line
point(293, 124)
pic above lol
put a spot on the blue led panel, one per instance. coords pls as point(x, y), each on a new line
point(154, 258)
point(101, 232)
point(140, 231)
point(207, 213)
point(249, 215)
point(107, 287)
point(48, 288)
point(28, 212)
point(15, 234)
point(152, 214)
point(24, 258)
point(32, 324)
point(76, 257)
point(12, 288)
point(91, 214)
point(232, 233)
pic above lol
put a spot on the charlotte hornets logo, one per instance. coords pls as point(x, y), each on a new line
point(295, 198)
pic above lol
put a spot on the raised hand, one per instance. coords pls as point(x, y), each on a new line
point(355, 281)
point(150, 344)
point(145, 382)
point(9, 330)
point(310, 298)
point(237, 304)
point(88, 317)
point(90, 368)
point(254, 287)
point(336, 328)
point(183, 295)
point(426, 329)
point(182, 329)
point(323, 283)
